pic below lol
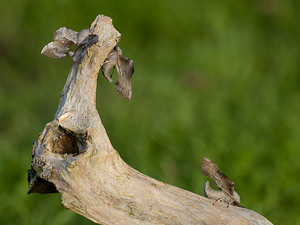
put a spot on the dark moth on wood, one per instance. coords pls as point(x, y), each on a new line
point(85, 40)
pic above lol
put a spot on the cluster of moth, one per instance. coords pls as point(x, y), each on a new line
point(65, 38)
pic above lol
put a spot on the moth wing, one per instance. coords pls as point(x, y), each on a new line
point(57, 49)
point(211, 170)
point(125, 71)
point(79, 53)
point(83, 46)
point(65, 33)
point(108, 64)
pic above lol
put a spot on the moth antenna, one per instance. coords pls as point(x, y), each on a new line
point(213, 184)
point(118, 61)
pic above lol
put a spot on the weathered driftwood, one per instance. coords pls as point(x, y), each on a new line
point(73, 155)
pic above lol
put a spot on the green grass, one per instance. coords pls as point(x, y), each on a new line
point(212, 78)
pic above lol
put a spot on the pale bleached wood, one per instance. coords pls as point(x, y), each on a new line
point(74, 156)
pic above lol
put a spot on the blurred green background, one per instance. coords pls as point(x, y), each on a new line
point(213, 78)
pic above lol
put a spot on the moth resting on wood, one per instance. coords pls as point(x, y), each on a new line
point(85, 40)
point(125, 70)
point(227, 193)
point(65, 38)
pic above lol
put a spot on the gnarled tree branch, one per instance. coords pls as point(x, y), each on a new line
point(73, 155)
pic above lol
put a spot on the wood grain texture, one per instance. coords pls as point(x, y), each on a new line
point(73, 155)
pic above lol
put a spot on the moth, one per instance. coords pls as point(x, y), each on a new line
point(65, 38)
point(125, 69)
point(85, 40)
point(227, 193)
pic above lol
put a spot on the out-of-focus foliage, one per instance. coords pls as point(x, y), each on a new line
point(212, 78)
